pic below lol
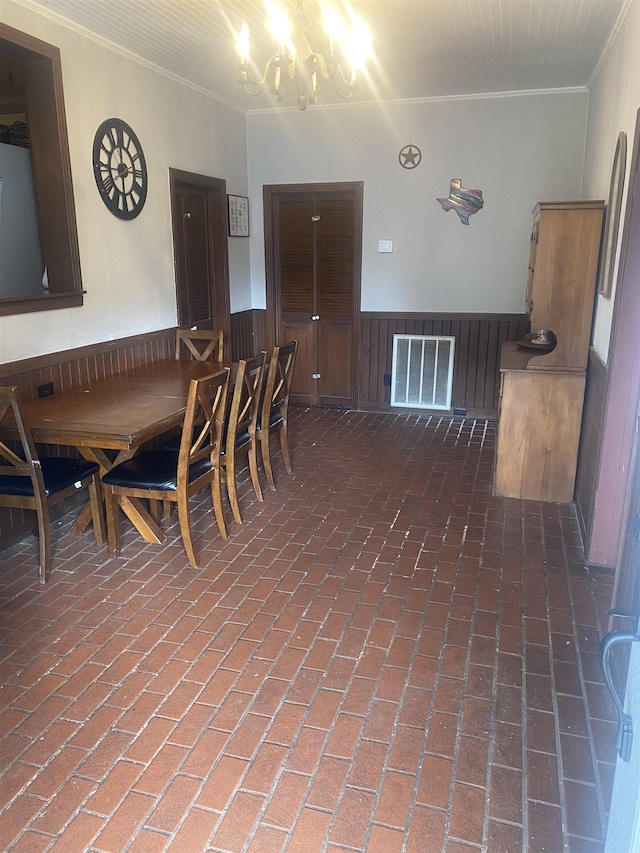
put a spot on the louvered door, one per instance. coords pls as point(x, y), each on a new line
point(316, 271)
point(297, 292)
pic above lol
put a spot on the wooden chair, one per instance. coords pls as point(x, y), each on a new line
point(275, 406)
point(242, 427)
point(161, 475)
point(39, 482)
point(201, 344)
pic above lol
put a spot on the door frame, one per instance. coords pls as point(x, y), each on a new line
point(270, 194)
point(608, 516)
point(217, 241)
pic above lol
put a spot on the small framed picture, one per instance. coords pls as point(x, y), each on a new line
point(238, 206)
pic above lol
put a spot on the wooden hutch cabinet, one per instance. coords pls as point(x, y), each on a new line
point(541, 394)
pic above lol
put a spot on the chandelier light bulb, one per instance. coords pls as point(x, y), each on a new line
point(243, 43)
point(333, 27)
point(279, 24)
point(358, 48)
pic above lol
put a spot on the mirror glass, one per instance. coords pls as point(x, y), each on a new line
point(22, 270)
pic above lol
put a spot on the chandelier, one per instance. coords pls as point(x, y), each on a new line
point(295, 60)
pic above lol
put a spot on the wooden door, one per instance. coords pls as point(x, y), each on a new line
point(314, 236)
point(295, 296)
point(626, 589)
point(200, 248)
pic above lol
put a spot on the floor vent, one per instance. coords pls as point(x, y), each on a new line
point(422, 371)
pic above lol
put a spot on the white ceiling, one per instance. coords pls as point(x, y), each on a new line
point(423, 48)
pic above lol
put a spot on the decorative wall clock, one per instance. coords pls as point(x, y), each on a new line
point(119, 168)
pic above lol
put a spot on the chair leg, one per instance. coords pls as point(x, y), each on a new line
point(230, 468)
point(97, 514)
point(253, 469)
point(266, 458)
point(185, 529)
point(216, 496)
point(284, 444)
point(154, 509)
point(113, 527)
point(44, 542)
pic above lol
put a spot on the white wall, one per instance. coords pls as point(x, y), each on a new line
point(20, 259)
point(517, 150)
point(613, 103)
point(127, 267)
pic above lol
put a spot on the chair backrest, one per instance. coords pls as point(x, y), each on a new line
point(201, 344)
point(245, 404)
point(11, 464)
point(278, 385)
point(203, 422)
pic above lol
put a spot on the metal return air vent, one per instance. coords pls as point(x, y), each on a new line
point(422, 371)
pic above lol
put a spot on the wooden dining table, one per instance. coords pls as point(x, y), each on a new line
point(118, 413)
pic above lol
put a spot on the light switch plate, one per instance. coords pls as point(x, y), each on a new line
point(385, 245)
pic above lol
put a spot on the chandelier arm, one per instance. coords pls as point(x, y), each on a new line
point(246, 80)
point(323, 67)
point(344, 88)
point(340, 80)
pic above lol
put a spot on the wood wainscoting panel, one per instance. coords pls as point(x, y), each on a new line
point(479, 337)
point(67, 369)
point(248, 333)
point(590, 443)
point(85, 364)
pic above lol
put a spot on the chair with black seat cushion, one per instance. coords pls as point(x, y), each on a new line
point(242, 425)
point(200, 344)
point(163, 475)
point(30, 481)
point(275, 406)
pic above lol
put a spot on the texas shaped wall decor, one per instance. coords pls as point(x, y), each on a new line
point(464, 202)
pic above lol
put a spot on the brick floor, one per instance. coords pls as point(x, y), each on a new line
point(383, 657)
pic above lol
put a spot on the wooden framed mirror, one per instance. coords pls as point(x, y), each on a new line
point(612, 224)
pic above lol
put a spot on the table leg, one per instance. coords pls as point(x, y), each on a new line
point(80, 524)
point(96, 454)
point(148, 528)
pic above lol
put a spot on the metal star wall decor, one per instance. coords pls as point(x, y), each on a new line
point(410, 156)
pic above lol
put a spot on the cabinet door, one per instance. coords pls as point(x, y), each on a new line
point(564, 279)
point(538, 435)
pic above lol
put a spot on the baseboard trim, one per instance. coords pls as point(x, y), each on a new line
point(601, 569)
